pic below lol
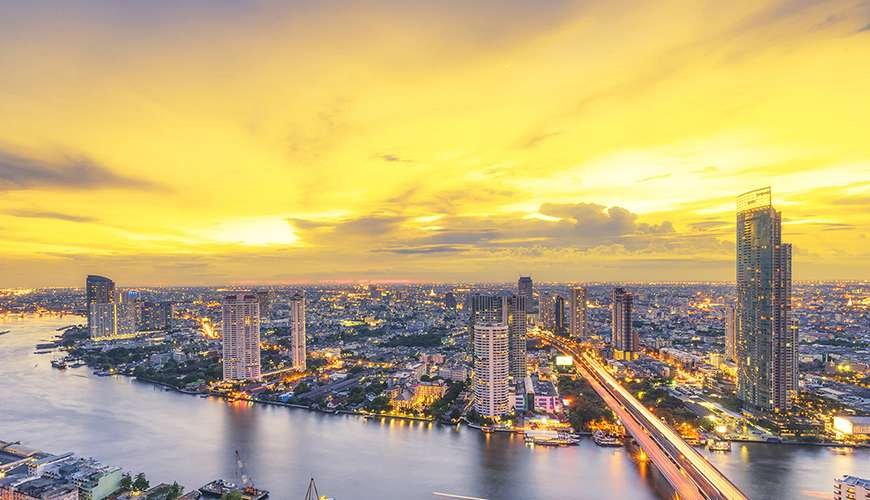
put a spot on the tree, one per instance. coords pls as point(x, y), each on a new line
point(175, 491)
point(140, 483)
point(126, 482)
point(233, 495)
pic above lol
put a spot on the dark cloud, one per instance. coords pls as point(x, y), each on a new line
point(47, 214)
point(390, 157)
point(426, 249)
point(75, 172)
point(865, 28)
point(536, 139)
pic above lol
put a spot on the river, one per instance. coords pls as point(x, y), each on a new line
point(172, 436)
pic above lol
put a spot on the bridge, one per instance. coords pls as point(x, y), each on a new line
point(687, 471)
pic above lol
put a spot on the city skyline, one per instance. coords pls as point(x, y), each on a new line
point(456, 149)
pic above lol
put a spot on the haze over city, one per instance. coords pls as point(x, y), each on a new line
point(269, 143)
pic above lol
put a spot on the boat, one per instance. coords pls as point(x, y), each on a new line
point(59, 364)
point(718, 445)
point(219, 487)
point(606, 440)
point(551, 438)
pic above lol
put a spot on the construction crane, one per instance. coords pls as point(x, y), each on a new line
point(312, 493)
point(245, 482)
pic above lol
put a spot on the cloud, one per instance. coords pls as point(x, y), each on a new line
point(655, 177)
point(47, 214)
point(69, 172)
point(865, 28)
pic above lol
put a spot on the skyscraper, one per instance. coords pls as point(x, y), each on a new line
point(482, 309)
point(241, 337)
point(491, 367)
point(517, 329)
point(766, 340)
point(559, 327)
point(548, 317)
point(577, 319)
point(297, 331)
point(730, 333)
point(127, 312)
point(156, 316)
point(624, 339)
point(524, 289)
point(100, 301)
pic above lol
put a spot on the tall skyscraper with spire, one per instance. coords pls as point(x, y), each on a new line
point(298, 355)
point(241, 337)
point(766, 342)
point(577, 319)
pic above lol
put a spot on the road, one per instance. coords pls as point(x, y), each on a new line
point(689, 473)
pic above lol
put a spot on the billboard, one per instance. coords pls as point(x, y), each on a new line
point(564, 361)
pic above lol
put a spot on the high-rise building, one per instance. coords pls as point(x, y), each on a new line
point(156, 316)
point(491, 369)
point(265, 298)
point(99, 289)
point(624, 340)
point(127, 312)
point(483, 308)
point(450, 301)
point(547, 313)
point(525, 288)
point(577, 318)
point(730, 333)
point(766, 338)
point(559, 326)
point(297, 331)
point(241, 337)
point(100, 301)
point(517, 329)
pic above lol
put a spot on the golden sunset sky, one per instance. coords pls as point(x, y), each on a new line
point(219, 142)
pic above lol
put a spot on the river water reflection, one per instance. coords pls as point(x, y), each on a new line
point(172, 436)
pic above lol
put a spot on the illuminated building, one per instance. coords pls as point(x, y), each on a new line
point(241, 337)
point(297, 331)
point(524, 289)
point(731, 332)
point(482, 309)
point(623, 336)
point(851, 488)
point(491, 369)
point(548, 318)
point(127, 312)
point(156, 316)
point(577, 318)
point(100, 300)
point(559, 327)
point(851, 425)
point(766, 343)
point(516, 307)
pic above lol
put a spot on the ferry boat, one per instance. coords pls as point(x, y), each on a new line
point(602, 439)
point(551, 438)
point(718, 445)
point(218, 488)
point(59, 364)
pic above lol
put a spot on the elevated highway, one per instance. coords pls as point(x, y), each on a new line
point(688, 472)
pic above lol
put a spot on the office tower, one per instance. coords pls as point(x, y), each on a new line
point(297, 331)
point(577, 318)
point(450, 301)
point(548, 317)
point(730, 333)
point(524, 289)
point(491, 369)
point(766, 339)
point(265, 298)
point(127, 312)
point(241, 337)
point(624, 337)
point(155, 316)
point(559, 326)
point(517, 328)
point(100, 301)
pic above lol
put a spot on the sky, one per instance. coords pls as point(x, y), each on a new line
point(228, 142)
